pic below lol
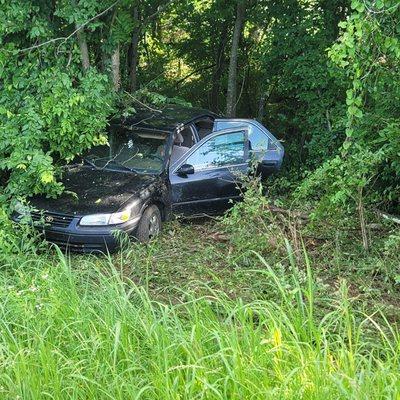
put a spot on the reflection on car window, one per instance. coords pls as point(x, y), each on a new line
point(259, 142)
point(139, 151)
point(219, 151)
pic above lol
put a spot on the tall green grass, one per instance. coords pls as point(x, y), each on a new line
point(72, 331)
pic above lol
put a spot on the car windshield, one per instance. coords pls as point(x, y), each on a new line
point(139, 151)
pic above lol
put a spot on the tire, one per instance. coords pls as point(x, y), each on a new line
point(149, 225)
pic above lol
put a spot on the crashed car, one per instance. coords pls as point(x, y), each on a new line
point(183, 161)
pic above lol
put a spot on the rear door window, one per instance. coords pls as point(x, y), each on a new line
point(220, 151)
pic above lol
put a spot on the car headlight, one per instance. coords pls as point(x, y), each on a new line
point(110, 219)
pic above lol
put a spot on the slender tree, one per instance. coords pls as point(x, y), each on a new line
point(134, 50)
point(115, 68)
point(233, 62)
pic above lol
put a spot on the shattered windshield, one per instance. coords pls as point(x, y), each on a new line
point(138, 150)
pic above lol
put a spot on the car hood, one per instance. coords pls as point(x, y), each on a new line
point(91, 191)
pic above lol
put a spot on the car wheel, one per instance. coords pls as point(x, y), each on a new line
point(149, 225)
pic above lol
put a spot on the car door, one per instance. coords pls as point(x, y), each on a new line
point(264, 148)
point(207, 178)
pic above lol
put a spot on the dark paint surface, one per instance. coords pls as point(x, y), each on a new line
point(205, 192)
point(92, 191)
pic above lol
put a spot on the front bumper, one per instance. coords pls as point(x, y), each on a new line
point(86, 239)
point(82, 243)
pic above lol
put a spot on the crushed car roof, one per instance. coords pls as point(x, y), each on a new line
point(166, 118)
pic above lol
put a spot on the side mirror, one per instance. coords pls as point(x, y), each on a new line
point(185, 170)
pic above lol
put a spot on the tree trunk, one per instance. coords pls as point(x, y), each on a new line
point(265, 95)
point(80, 34)
point(134, 51)
point(219, 69)
point(237, 33)
point(115, 69)
point(261, 106)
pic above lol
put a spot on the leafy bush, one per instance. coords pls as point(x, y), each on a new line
point(17, 240)
point(367, 169)
point(48, 116)
point(250, 225)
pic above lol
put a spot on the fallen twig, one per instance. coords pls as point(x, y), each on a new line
point(389, 217)
point(289, 213)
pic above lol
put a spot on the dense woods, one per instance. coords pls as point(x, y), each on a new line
point(322, 75)
point(294, 293)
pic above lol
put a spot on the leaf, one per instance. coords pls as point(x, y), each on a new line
point(47, 177)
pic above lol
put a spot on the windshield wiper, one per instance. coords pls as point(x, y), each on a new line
point(122, 167)
point(119, 165)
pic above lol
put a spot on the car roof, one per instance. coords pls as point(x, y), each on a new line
point(166, 118)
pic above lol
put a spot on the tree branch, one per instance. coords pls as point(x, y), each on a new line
point(388, 217)
point(141, 103)
point(159, 10)
point(65, 38)
point(194, 73)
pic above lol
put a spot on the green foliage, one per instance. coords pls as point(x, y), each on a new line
point(48, 116)
point(368, 52)
point(304, 104)
point(339, 182)
point(73, 331)
point(233, 307)
point(16, 240)
point(250, 225)
point(49, 110)
point(322, 75)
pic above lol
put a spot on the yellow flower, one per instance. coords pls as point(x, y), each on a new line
point(277, 337)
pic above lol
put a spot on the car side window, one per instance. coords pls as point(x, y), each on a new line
point(258, 140)
point(220, 151)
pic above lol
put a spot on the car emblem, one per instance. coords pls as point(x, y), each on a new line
point(49, 218)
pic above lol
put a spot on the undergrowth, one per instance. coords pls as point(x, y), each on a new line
point(255, 305)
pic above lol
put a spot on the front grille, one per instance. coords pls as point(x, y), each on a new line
point(52, 219)
point(79, 247)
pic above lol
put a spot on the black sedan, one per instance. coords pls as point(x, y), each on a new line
point(182, 161)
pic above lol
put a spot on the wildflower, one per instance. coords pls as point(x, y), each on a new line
point(277, 337)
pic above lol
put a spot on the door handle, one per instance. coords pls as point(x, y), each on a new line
point(269, 163)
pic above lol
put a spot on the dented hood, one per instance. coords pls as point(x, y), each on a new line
point(91, 191)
